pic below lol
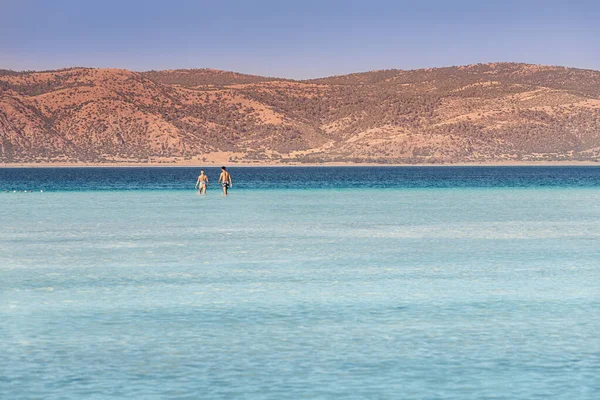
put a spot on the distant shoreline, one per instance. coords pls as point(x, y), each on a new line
point(249, 165)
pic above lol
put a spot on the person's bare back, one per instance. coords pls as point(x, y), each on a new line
point(225, 180)
point(202, 183)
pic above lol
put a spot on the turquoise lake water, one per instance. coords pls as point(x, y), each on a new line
point(389, 283)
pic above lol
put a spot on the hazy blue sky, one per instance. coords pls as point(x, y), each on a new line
point(296, 39)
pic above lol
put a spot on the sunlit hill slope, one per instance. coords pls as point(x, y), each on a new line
point(476, 113)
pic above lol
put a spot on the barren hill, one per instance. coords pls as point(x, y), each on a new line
point(477, 113)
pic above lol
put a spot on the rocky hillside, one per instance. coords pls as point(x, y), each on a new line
point(476, 113)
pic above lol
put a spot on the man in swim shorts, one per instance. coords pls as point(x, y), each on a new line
point(202, 183)
point(225, 180)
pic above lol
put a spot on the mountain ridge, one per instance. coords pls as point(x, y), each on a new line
point(490, 112)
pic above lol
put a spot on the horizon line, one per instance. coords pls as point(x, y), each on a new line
point(25, 71)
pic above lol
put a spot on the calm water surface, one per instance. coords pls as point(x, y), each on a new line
point(388, 283)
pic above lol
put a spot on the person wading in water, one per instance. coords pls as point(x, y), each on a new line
point(202, 183)
point(225, 180)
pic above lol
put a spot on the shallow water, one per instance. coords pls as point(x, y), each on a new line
point(418, 283)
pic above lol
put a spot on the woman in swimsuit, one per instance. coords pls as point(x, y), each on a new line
point(202, 183)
